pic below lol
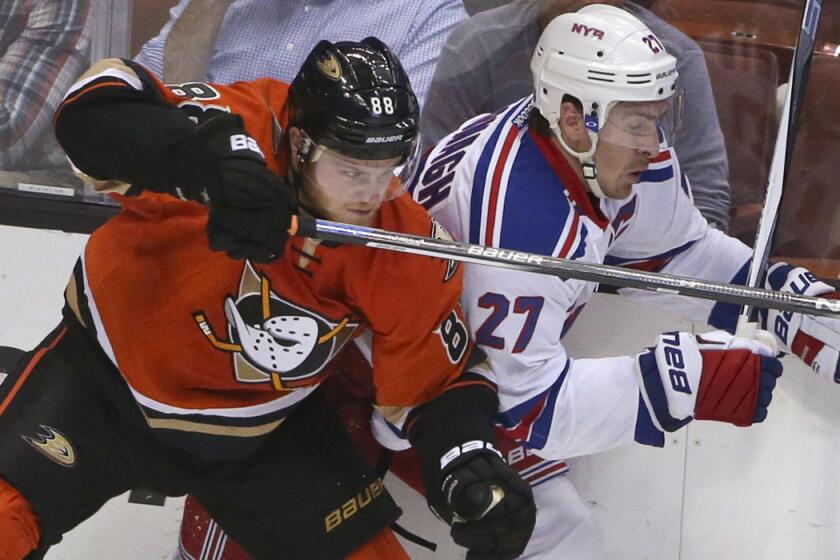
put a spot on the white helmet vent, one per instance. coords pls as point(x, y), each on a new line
point(601, 76)
point(640, 78)
point(620, 65)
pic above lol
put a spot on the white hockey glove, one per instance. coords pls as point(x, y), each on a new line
point(713, 376)
point(814, 339)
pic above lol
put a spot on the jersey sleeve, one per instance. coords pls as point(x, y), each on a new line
point(419, 341)
point(669, 235)
point(549, 402)
point(119, 122)
point(116, 125)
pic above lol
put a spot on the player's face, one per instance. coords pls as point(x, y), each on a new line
point(349, 190)
point(626, 143)
point(619, 168)
point(635, 125)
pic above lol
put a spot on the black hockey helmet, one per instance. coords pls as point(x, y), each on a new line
point(355, 98)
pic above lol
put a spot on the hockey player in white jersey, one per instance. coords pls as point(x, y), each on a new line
point(582, 170)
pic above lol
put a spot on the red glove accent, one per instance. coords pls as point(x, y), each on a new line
point(806, 346)
point(729, 387)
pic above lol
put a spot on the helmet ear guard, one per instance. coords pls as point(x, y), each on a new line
point(601, 56)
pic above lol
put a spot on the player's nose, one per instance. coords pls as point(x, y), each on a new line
point(367, 196)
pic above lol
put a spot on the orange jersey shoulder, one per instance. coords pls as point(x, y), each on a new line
point(261, 103)
point(420, 339)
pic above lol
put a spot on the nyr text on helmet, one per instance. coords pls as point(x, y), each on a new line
point(585, 30)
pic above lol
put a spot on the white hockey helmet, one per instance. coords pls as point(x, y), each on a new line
point(601, 55)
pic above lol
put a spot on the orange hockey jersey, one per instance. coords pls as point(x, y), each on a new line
point(220, 346)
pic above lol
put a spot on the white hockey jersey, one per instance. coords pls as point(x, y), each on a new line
point(496, 182)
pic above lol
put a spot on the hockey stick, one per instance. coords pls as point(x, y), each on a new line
point(564, 268)
point(782, 153)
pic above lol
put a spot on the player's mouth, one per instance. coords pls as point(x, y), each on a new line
point(637, 174)
point(362, 212)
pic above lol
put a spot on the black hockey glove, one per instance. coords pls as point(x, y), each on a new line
point(490, 508)
point(468, 484)
point(221, 166)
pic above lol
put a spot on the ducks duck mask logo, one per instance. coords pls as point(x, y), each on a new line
point(273, 340)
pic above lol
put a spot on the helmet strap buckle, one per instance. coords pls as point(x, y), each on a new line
point(587, 164)
point(304, 148)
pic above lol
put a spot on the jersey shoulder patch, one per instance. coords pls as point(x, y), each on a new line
point(439, 232)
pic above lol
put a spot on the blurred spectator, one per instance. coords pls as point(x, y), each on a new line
point(485, 65)
point(475, 6)
point(189, 43)
point(259, 38)
point(43, 49)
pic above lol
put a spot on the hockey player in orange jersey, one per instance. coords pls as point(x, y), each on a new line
point(196, 332)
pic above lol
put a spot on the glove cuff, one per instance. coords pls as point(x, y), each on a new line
point(653, 393)
point(195, 159)
point(463, 413)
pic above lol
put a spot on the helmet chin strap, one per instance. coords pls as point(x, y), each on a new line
point(296, 180)
point(590, 173)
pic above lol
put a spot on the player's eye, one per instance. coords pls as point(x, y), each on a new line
point(640, 125)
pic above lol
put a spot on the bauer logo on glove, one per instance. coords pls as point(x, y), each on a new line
point(814, 339)
point(714, 376)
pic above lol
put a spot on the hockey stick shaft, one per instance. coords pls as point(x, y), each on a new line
point(783, 151)
point(563, 268)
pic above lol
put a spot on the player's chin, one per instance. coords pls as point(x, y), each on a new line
point(621, 188)
point(357, 216)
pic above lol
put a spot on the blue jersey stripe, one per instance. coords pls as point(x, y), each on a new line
point(725, 315)
point(535, 432)
point(480, 176)
point(581, 247)
point(657, 175)
point(619, 261)
point(542, 426)
point(532, 221)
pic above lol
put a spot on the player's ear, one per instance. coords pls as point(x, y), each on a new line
point(571, 124)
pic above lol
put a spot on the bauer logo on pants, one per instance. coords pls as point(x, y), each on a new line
point(354, 505)
point(53, 445)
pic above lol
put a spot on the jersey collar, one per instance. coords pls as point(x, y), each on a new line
point(580, 197)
